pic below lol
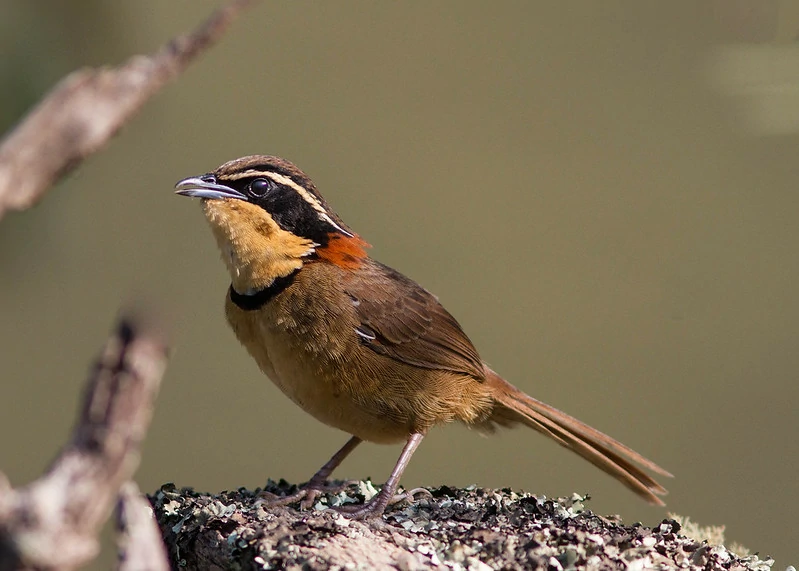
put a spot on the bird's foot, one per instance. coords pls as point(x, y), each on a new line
point(410, 495)
point(306, 495)
point(375, 507)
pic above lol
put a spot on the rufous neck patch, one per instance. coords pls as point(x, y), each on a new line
point(344, 251)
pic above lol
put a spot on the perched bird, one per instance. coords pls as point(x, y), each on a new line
point(357, 344)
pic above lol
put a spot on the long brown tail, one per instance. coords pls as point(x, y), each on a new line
point(600, 449)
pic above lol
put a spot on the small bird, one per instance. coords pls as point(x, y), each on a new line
point(355, 343)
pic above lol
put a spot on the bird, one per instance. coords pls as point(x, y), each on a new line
point(355, 343)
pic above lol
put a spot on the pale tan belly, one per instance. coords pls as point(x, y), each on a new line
point(298, 375)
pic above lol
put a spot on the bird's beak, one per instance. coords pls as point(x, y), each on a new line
point(205, 187)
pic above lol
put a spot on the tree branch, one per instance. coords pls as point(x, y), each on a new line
point(88, 107)
point(53, 522)
point(141, 547)
point(470, 528)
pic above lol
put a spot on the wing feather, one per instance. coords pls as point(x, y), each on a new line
point(402, 320)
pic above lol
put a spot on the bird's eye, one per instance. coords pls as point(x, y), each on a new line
point(260, 186)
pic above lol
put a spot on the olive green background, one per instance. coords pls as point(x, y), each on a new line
point(578, 182)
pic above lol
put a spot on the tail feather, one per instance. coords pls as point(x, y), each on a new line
point(598, 448)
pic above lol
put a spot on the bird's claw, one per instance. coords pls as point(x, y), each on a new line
point(377, 505)
point(306, 495)
point(410, 495)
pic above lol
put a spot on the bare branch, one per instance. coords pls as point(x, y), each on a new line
point(88, 107)
point(54, 521)
point(141, 547)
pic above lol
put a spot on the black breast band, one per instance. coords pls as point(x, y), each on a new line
point(260, 298)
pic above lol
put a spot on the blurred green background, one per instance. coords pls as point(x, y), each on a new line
point(604, 194)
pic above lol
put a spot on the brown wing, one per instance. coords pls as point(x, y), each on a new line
point(403, 321)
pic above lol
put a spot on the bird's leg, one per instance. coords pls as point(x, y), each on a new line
point(377, 505)
point(316, 485)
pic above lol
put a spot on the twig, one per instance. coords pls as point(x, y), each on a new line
point(88, 107)
point(53, 522)
point(141, 547)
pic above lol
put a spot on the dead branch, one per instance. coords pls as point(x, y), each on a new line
point(141, 547)
point(53, 522)
point(88, 107)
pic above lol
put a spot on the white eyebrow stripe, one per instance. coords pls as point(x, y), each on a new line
point(306, 196)
point(245, 174)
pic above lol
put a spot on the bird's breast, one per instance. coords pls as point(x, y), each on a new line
point(301, 349)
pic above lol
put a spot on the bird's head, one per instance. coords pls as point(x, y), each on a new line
point(269, 219)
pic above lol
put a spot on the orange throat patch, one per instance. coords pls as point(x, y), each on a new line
point(254, 248)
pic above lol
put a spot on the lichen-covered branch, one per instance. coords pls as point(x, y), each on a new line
point(452, 529)
point(85, 109)
point(53, 523)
